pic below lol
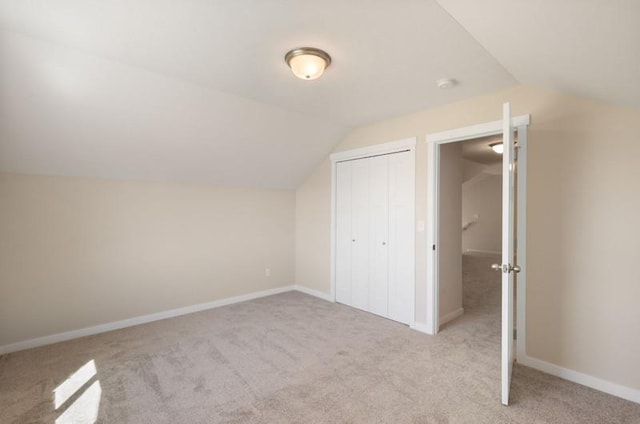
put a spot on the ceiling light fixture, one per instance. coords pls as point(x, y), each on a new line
point(307, 63)
point(445, 83)
point(497, 147)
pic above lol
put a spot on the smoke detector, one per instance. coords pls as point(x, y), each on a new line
point(445, 83)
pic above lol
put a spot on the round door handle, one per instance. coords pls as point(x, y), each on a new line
point(506, 268)
point(384, 243)
point(353, 240)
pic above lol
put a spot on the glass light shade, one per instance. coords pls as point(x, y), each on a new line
point(307, 66)
point(307, 63)
point(497, 147)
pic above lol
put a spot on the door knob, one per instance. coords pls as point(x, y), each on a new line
point(384, 243)
point(506, 268)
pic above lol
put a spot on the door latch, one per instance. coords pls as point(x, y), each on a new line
point(505, 268)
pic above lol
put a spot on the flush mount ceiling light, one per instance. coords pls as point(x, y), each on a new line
point(497, 147)
point(307, 63)
point(445, 83)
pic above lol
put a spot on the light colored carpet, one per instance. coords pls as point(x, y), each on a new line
point(292, 358)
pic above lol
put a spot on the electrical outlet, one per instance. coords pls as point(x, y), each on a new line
point(267, 272)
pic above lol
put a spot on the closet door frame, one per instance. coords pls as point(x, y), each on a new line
point(403, 145)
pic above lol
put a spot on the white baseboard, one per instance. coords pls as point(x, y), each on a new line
point(116, 325)
point(609, 387)
point(421, 327)
point(481, 252)
point(451, 316)
point(312, 292)
point(575, 376)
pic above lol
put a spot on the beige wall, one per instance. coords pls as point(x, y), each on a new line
point(583, 204)
point(77, 252)
point(482, 196)
point(450, 216)
point(313, 219)
point(470, 169)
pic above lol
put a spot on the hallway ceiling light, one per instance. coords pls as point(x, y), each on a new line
point(497, 147)
point(307, 63)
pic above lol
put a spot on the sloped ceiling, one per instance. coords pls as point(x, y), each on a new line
point(197, 90)
point(585, 47)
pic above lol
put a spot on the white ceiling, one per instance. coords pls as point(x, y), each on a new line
point(197, 90)
point(585, 47)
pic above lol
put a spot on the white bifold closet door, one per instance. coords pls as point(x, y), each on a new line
point(373, 235)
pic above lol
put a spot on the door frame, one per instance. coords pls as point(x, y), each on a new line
point(434, 141)
point(402, 145)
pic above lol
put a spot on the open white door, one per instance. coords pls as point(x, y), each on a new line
point(508, 267)
point(510, 235)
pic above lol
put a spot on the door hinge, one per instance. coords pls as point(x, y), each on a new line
point(434, 247)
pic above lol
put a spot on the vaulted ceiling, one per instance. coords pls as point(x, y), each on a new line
point(197, 90)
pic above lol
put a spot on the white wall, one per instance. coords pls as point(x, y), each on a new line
point(583, 201)
point(482, 214)
point(78, 252)
point(450, 238)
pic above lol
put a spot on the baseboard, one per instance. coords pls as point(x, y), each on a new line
point(116, 325)
point(421, 327)
point(609, 387)
point(451, 316)
point(312, 292)
point(481, 252)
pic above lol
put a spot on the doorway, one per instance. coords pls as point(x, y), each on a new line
point(513, 230)
point(470, 228)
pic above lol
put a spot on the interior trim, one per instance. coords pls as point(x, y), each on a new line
point(596, 383)
point(143, 319)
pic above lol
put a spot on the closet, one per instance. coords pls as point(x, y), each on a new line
point(374, 235)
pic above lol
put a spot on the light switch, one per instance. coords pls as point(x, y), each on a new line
point(420, 226)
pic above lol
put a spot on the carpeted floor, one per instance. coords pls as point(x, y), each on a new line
point(292, 358)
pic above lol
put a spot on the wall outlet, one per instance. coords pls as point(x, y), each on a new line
point(267, 272)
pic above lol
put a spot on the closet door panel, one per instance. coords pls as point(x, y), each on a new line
point(379, 231)
point(360, 237)
point(343, 232)
point(401, 239)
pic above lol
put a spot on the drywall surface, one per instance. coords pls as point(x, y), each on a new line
point(583, 202)
point(78, 252)
point(450, 237)
point(313, 220)
point(470, 169)
point(482, 214)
